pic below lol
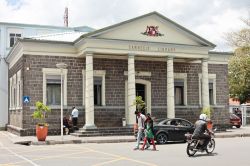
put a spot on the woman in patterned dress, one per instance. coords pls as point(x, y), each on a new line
point(149, 132)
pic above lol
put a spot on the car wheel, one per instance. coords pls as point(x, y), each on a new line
point(238, 126)
point(162, 138)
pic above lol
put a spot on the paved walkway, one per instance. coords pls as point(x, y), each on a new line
point(68, 139)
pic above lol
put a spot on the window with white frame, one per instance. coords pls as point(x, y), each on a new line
point(13, 92)
point(99, 87)
point(13, 37)
point(98, 91)
point(10, 92)
point(53, 89)
point(52, 86)
point(180, 88)
point(179, 91)
point(19, 90)
point(13, 34)
point(211, 93)
point(211, 88)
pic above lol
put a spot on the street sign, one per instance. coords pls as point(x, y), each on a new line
point(26, 99)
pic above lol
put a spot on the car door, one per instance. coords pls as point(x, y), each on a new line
point(164, 127)
point(182, 128)
point(173, 130)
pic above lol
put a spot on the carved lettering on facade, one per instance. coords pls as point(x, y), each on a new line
point(166, 49)
point(139, 48)
point(147, 48)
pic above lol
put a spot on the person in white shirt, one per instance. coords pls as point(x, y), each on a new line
point(74, 115)
point(141, 126)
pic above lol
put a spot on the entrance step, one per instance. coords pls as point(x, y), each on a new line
point(104, 131)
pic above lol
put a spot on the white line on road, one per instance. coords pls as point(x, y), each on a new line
point(17, 155)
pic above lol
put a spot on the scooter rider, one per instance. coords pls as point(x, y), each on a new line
point(200, 128)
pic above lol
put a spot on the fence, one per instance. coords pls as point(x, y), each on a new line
point(243, 111)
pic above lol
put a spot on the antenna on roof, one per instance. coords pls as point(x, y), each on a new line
point(66, 23)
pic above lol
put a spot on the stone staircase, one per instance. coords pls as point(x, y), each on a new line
point(107, 131)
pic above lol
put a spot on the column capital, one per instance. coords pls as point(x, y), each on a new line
point(131, 54)
point(204, 60)
point(88, 53)
point(170, 57)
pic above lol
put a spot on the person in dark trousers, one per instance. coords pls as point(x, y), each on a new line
point(200, 128)
point(149, 132)
point(74, 115)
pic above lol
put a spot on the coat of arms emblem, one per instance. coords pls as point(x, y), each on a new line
point(152, 31)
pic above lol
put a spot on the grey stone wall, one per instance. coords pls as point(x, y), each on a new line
point(33, 86)
point(112, 114)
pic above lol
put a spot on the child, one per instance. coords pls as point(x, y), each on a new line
point(149, 132)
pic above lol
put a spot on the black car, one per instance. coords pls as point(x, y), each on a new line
point(172, 130)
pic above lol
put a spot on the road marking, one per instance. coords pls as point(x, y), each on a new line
point(17, 155)
point(111, 161)
point(48, 157)
point(138, 161)
point(122, 158)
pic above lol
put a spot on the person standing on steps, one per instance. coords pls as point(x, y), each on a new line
point(74, 115)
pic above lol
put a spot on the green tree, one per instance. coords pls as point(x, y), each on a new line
point(239, 63)
point(239, 74)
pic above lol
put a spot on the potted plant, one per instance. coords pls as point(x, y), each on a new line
point(208, 111)
point(40, 114)
point(140, 107)
point(140, 104)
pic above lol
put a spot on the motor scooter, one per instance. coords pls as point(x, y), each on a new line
point(195, 145)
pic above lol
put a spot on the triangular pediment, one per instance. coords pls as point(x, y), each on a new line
point(151, 27)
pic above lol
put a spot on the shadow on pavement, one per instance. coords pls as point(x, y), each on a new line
point(204, 155)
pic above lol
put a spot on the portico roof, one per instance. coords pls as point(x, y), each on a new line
point(160, 19)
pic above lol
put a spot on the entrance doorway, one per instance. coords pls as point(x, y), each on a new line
point(140, 91)
point(143, 89)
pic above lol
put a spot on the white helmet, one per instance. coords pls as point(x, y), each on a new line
point(203, 117)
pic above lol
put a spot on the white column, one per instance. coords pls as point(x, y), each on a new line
point(89, 93)
point(170, 88)
point(205, 90)
point(131, 89)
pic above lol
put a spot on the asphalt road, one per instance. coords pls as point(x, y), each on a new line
point(228, 152)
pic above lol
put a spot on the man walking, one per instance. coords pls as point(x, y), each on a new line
point(141, 123)
point(74, 115)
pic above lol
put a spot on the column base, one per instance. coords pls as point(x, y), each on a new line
point(89, 126)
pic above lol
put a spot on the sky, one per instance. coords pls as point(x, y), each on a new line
point(210, 19)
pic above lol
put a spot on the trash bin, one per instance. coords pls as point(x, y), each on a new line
point(123, 122)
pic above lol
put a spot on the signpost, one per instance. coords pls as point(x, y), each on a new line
point(26, 99)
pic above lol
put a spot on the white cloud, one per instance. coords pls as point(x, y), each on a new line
point(209, 19)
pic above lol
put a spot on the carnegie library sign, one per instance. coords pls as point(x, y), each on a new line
point(148, 48)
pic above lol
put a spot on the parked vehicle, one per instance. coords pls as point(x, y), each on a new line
point(195, 145)
point(172, 130)
point(166, 130)
point(235, 120)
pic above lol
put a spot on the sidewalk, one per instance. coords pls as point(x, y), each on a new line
point(234, 132)
point(68, 139)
